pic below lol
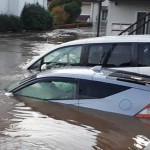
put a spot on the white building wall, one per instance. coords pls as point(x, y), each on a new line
point(96, 9)
point(3, 6)
point(23, 2)
point(124, 12)
point(15, 7)
point(105, 3)
point(95, 12)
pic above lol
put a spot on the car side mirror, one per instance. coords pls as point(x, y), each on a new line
point(43, 67)
point(9, 94)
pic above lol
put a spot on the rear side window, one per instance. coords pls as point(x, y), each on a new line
point(97, 53)
point(144, 54)
point(96, 89)
point(119, 56)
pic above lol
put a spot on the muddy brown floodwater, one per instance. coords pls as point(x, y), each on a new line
point(37, 125)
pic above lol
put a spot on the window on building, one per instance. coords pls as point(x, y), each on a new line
point(104, 14)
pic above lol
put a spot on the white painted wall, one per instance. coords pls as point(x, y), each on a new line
point(15, 7)
point(125, 12)
point(95, 12)
point(105, 3)
point(3, 6)
point(23, 2)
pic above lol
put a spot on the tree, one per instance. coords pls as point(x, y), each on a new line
point(59, 15)
point(74, 9)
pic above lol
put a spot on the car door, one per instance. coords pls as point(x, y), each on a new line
point(144, 58)
point(64, 56)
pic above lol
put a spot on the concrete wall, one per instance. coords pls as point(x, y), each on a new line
point(124, 13)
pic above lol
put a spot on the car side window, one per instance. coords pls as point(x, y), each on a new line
point(96, 89)
point(67, 55)
point(49, 90)
point(144, 54)
point(97, 53)
point(36, 66)
point(120, 55)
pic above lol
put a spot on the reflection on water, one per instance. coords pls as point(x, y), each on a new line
point(44, 125)
point(141, 141)
point(34, 130)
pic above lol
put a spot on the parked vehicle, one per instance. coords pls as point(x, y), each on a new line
point(101, 89)
point(127, 52)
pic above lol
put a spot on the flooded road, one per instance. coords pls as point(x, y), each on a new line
point(38, 125)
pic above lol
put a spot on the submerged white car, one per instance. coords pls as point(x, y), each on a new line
point(127, 52)
point(101, 89)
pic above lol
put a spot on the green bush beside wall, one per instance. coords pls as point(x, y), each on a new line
point(35, 17)
point(10, 23)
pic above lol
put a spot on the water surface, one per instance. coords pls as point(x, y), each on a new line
point(31, 124)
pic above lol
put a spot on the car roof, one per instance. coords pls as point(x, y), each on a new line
point(98, 73)
point(111, 39)
point(72, 72)
point(95, 40)
point(88, 73)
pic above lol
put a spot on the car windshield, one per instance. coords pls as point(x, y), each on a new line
point(20, 82)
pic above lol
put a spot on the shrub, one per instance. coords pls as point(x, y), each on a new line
point(72, 7)
point(15, 23)
point(4, 23)
point(59, 15)
point(10, 23)
point(55, 3)
point(35, 17)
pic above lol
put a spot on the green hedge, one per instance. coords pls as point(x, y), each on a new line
point(10, 23)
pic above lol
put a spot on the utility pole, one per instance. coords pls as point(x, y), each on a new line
point(99, 15)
